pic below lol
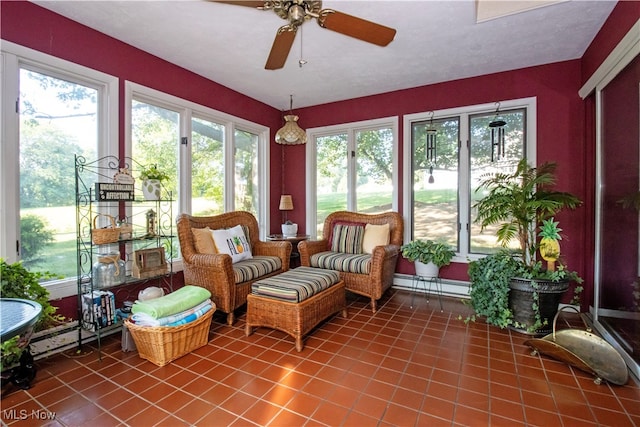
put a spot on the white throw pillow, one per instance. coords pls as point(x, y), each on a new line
point(233, 242)
point(374, 235)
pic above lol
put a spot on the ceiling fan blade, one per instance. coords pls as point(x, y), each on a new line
point(249, 3)
point(281, 47)
point(356, 27)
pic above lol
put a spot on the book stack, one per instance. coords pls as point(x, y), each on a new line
point(98, 310)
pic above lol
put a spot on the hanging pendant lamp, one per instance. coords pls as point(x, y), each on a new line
point(291, 133)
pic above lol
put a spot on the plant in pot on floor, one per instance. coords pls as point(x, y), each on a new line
point(18, 282)
point(428, 256)
point(152, 178)
point(512, 288)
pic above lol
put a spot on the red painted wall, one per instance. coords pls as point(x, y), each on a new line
point(560, 133)
point(620, 21)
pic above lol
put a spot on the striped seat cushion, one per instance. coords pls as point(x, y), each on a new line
point(348, 263)
point(295, 285)
point(258, 266)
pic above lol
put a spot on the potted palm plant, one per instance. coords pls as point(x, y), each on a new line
point(152, 178)
point(428, 256)
point(522, 204)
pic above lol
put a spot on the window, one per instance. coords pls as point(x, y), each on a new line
point(441, 178)
point(57, 118)
point(480, 158)
point(52, 111)
point(155, 136)
point(245, 160)
point(351, 167)
point(216, 163)
point(207, 172)
point(435, 180)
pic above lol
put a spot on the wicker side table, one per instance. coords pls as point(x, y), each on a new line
point(294, 260)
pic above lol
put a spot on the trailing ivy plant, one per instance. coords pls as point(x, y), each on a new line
point(18, 282)
point(489, 289)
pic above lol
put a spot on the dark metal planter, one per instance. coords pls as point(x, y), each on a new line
point(521, 303)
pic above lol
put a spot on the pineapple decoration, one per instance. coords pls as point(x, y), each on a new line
point(549, 245)
point(238, 244)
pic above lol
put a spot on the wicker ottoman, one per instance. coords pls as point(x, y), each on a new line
point(293, 317)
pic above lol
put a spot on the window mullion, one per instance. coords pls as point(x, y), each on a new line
point(185, 156)
point(464, 189)
point(352, 202)
point(10, 158)
point(229, 167)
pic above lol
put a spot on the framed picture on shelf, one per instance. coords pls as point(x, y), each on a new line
point(148, 263)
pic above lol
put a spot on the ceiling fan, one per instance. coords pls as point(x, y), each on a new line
point(299, 11)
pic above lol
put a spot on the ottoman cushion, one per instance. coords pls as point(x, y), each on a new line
point(296, 285)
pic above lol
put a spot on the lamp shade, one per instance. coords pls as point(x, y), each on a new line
point(291, 133)
point(286, 202)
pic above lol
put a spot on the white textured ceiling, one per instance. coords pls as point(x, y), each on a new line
point(436, 41)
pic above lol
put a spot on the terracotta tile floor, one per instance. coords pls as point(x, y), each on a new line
point(399, 367)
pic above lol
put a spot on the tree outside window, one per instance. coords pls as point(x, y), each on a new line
point(58, 119)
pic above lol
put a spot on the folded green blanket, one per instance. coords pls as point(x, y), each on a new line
point(175, 302)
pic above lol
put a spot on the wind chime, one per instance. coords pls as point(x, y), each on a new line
point(430, 147)
point(497, 136)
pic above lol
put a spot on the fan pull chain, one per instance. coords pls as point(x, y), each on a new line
point(302, 61)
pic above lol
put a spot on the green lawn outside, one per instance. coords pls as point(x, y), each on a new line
point(64, 262)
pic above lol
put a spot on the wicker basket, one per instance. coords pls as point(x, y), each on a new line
point(163, 344)
point(101, 236)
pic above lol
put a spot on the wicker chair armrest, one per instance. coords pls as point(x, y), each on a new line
point(215, 273)
point(216, 261)
point(310, 247)
point(381, 256)
point(281, 249)
point(386, 250)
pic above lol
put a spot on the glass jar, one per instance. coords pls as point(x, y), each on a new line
point(108, 271)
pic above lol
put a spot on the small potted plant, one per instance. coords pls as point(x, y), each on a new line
point(428, 256)
point(289, 229)
point(152, 178)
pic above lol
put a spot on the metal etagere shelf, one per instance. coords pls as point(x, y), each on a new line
point(142, 245)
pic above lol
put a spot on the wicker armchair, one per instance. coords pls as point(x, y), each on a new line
point(383, 258)
point(216, 271)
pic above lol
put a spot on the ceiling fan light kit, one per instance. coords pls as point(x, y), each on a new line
point(299, 11)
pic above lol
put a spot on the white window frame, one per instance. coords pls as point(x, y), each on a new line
point(464, 209)
point(187, 110)
point(13, 58)
point(351, 129)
